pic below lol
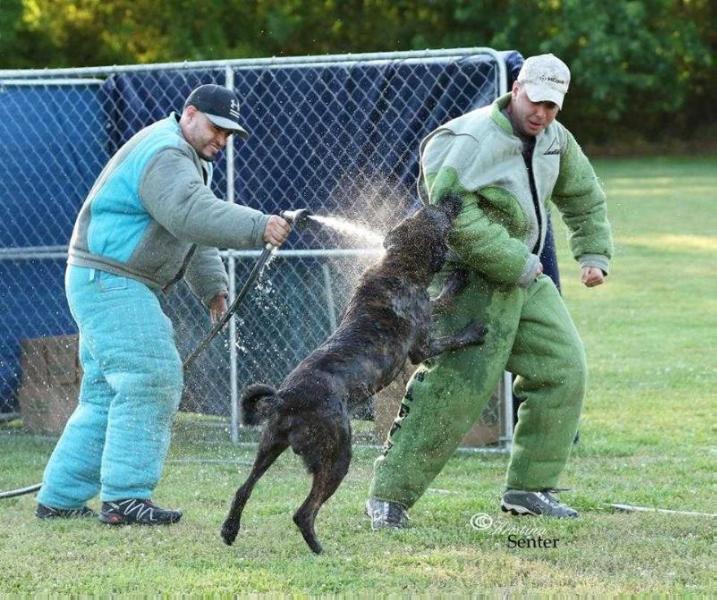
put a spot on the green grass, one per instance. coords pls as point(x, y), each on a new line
point(647, 438)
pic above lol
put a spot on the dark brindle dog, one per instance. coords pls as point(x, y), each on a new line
point(387, 320)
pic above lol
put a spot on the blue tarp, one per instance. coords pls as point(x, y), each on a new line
point(52, 146)
point(315, 131)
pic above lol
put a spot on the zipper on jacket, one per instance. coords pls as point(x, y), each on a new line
point(528, 148)
point(182, 269)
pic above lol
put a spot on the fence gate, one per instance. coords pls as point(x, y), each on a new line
point(338, 134)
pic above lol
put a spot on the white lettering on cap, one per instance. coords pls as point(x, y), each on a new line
point(234, 109)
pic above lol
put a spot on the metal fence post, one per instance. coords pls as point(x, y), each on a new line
point(231, 266)
point(330, 303)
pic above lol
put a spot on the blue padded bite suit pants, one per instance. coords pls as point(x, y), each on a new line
point(116, 441)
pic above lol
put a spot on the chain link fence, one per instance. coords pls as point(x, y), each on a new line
point(337, 134)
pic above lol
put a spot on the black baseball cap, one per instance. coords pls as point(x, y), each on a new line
point(220, 105)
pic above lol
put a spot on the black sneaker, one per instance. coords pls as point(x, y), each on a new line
point(386, 515)
point(48, 512)
point(137, 510)
point(519, 502)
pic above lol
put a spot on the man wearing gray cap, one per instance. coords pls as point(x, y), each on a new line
point(149, 220)
point(504, 162)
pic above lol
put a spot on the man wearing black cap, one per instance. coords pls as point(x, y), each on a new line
point(149, 220)
point(217, 107)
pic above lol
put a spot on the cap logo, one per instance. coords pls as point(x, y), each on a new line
point(234, 109)
point(220, 105)
point(552, 79)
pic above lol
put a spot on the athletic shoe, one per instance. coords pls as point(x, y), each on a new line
point(137, 510)
point(48, 512)
point(519, 502)
point(386, 515)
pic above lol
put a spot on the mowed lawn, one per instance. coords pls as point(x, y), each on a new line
point(647, 438)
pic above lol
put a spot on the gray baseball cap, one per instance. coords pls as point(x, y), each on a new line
point(546, 78)
point(220, 105)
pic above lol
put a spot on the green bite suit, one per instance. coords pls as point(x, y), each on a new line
point(496, 239)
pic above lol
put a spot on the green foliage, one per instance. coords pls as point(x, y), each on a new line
point(639, 66)
point(632, 62)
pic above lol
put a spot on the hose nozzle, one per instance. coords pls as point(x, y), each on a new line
point(298, 218)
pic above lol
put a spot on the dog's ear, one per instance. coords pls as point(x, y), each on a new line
point(451, 204)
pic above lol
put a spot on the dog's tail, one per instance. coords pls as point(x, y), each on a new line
point(257, 402)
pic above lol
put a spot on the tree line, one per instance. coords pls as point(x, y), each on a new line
point(642, 69)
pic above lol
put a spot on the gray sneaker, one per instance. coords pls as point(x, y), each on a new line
point(519, 502)
point(386, 515)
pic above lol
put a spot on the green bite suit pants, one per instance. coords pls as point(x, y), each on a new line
point(530, 333)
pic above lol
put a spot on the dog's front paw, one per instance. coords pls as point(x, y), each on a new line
point(229, 532)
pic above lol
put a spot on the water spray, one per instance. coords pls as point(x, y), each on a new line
point(352, 230)
point(299, 219)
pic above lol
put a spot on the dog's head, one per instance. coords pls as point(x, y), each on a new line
point(419, 243)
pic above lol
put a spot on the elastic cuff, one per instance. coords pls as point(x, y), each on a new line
point(530, 271)
point(210, 296)
point(259, 229)
point(597, 261)
point(401, 504)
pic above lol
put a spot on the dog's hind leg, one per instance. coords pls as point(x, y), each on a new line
point(326, 481)
point(270, 448)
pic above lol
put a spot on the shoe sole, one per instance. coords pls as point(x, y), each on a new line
point(518, 510)
point(44, 517)
point(522, 511)
point(51, 517)
point(114, 521)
